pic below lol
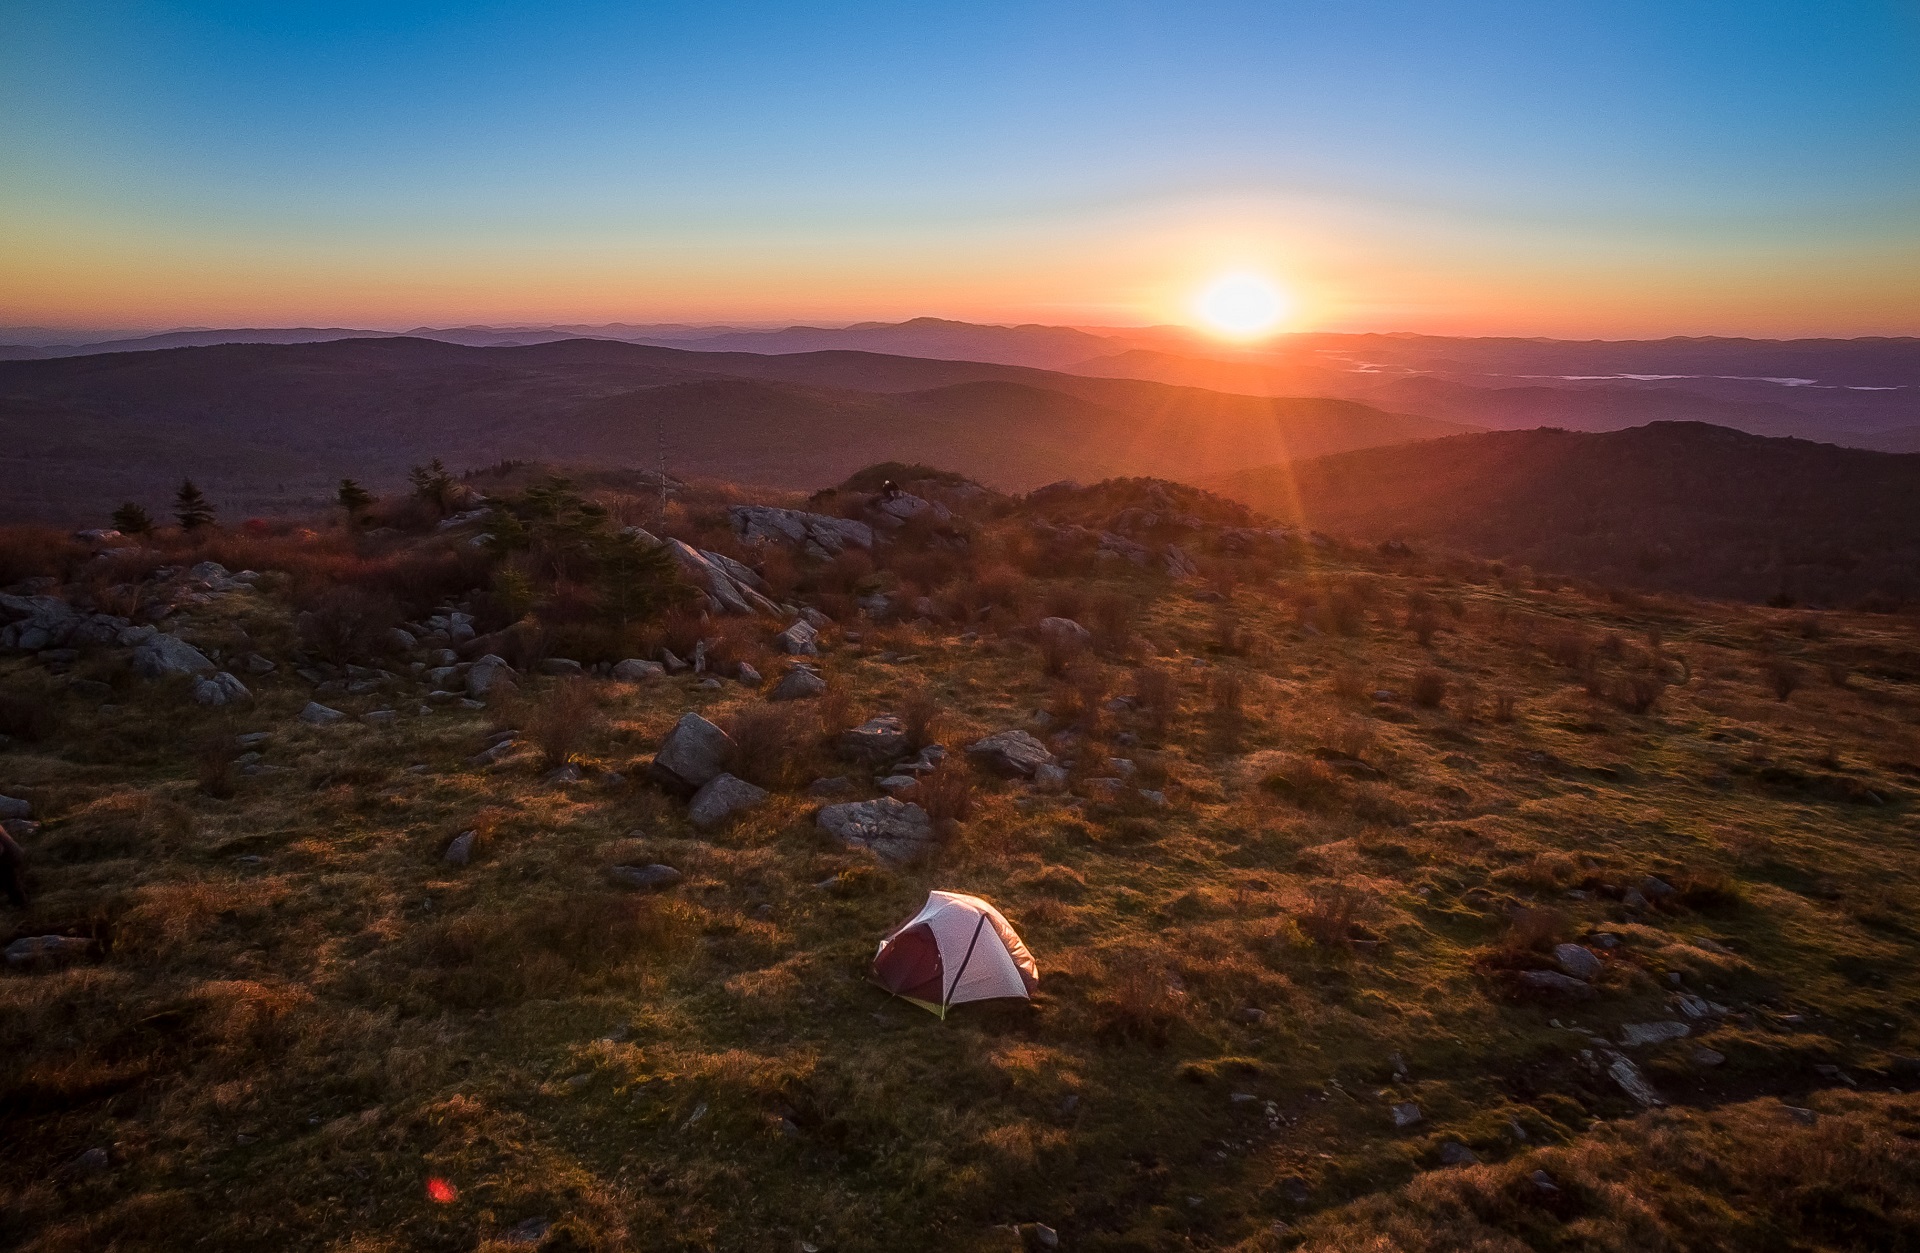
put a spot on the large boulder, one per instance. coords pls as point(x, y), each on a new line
point(1014, 754)
point(720, 798)
point(877, 740)
point(637, 670)
point(815, 534)
point(694, 753)
point(490, 674)
point(798, 683)
point(730, 585)
point(163, 655)
point(35, 622)
point(1064, 633)
point(894, 830)
point(799, 640)
point(320, 715)
point(219, 689)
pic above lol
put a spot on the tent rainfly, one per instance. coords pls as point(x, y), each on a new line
point(957, 948)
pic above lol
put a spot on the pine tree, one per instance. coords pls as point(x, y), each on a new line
point(355, 499)
point(132, 519)
point(432, 483)
point(190, 508)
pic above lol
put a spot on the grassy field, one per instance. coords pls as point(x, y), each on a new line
point(1392, 785)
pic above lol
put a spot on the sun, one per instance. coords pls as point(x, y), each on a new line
point(1241, 305)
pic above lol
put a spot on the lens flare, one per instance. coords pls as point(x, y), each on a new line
point(440, 1192)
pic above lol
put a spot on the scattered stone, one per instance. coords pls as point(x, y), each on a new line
point(1606, 940)
point(894, 830)
point(799, 640)
point(1697, 1007)
point(1010, 753)
point(1405, 1114)
point(650, 878)
point(1704, 1056)
point(1635, 1034)
point(798, 683)
point(747, 674)
point(876, 741)
point(320, 715)
point(460, 852)
point(1543, 1181)
point(721, 798)
point(565, 773)
point(1038, 1236)
point(381, 717)
point(1049, 777)
point(489, 675)
point(709, 685)
point(898, 784)
point(562, 668)
point(1656, 887)
point(256, 664)
point(1801, 1115)
point(1454, 1153)
point(1634, 899)
point(1064, 633)
point(638, 670)
point(46, 951)
point(94, 1159)
point(839, 785)
point(1154, 797)
point(1577, 961)
point(1250, 1015)
point(529, 1231)
point(399, 640)
point(164, 655)
point(693, 753)
point(672, 662)
point(1552, 981)
point(817, 534)
point(13, 807)
point(1632, 1082)
point(1179, 563)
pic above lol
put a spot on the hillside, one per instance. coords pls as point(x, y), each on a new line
point(266, 427)
point(1378, 903)
point(1674, 506)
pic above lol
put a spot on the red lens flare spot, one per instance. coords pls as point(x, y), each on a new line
point(440, 1192)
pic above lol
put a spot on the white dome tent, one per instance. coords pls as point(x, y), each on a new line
point(956, 949)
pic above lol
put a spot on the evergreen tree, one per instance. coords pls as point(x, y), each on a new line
point(433, 484)
point(638, 579)
point(355, 499)
point(190, 507)
point(132, 519)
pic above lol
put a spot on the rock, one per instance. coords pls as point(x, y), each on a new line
point(839, 785)
point(1606, 940)
point(1049, 777)
point(896, 784)
point(1577, 961)
point(319, 715)
point(1010, 753)
point(562, 667)
point(694, 753)
point(1543, 1181)
point(637, 670)
point(652, 878)
point(1656, 887)
point(460, 852)
point(1699, 1007)
point(1555, 983)
point(816, 534)
point(381, 717)
point(1250, 1015)
point(799, 640)
point(220, 688)
point(798, 683)
point(1633, 1083)
point(1155, 798)
point(1454, 1153)
point(528, 1231)
point(163, 655)
point(13, 807)
point(720, 798)
point(672, 662)
point(731, 586)
point(1634, 899)
point(1801, 1115)
point(1038, 1236)
point(747, 674)
point(256, 664)
point(894, 830)
point(489, 675)
point(399, 640)
point(1179, 564)
point(894, 511)
point(877, 740)
point(46, 951)
point(1635, 1034)
point(1064, 633)
point(1704, 1056)
point(565, 773)
point(94, 1159)
point(1405, 1114)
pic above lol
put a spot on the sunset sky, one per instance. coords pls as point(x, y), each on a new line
point(1560, 169)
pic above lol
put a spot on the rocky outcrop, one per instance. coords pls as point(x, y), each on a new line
point(1014, 754)
point(731, 586)
point(163, 655)
point(815, 534)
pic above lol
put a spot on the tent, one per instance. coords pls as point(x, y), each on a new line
point(957, 948)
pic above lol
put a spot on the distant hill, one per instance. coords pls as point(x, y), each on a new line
point(268, 427)
point(1671, 506)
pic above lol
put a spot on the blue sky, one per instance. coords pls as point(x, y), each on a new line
point(1407, 166)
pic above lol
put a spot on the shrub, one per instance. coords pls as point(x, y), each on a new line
point(561, 720)
point(1346, 613)
point(1111, 622)
point(1784, 676)
point(1059, 650)
point(1350, 683)
point(1637, 693)
point(346, 622)
point(1503, 707)
point(946, 793)
point(1330, 915)
point(213, 764)
point(1159, 697)
point(1429, 687)
point(1306, 781)
point(766, 749)
point(1531, 930)
point(920, 714)
point(132, 519)
point(191, 509)
point(27, 716)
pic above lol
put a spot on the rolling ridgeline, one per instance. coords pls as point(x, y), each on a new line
point(1382, 899)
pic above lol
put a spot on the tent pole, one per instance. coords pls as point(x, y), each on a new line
point(948, 998)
